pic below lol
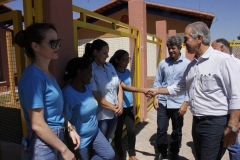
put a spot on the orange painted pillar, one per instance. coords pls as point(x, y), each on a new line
point(172, 33)
point(137, 18)
point(60, 14)
point(161, 32)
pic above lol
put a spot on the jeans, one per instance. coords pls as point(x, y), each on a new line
point(163, 116)
point(207, 137)
point(234, 150)
point(126, 117)
point(108, 127)
point(38, 149)
point(101, 147)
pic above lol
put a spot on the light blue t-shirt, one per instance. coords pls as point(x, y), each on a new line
point(37, 90)
point(105, 81)
point(125, 77)
point(80, 108)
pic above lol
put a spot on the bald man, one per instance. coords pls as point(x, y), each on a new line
point(223, 45)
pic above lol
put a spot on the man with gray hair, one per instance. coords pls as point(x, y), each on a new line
point(223, 45)
point(170, 71)
point(211, 81)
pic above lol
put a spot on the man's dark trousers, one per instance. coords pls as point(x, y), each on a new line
point(207, 136)
point(163, 116)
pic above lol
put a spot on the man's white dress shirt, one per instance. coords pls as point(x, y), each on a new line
point(212, 83)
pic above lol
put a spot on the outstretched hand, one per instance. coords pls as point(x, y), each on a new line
point(151, 92)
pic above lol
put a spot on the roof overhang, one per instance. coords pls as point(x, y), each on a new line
point(160, 10)
point(5, 9)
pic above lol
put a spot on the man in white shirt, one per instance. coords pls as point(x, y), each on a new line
point(211, 81)
point(223, 45)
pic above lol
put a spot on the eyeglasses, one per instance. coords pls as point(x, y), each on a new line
point(126, 59)
point(55, 43)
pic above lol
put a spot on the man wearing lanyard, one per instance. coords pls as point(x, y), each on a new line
point(211, 81)
point(223, 45)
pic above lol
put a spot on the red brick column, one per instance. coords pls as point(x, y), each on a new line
point(171, 33)
point(161, 32)
point(60, 14)
point(137, 18)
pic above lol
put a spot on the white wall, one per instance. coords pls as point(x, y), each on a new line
point(114, 43)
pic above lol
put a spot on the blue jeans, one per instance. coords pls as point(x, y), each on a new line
point(38, 149)
point(234, 150)
point(108, 127)
point(207, 137)
point(101, 147)
point(163, 116)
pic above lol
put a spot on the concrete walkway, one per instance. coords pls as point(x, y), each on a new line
point(146, 136)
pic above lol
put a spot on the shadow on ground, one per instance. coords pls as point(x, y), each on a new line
point(191, 145)
point(153, 142)
point(140, 126)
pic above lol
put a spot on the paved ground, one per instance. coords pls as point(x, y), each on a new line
point(146, 135)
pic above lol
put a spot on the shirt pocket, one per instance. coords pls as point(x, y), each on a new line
point(207, 83)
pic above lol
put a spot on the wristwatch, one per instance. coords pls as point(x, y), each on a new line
point(233, 128)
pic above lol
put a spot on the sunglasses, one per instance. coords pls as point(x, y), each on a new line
point(55, 43)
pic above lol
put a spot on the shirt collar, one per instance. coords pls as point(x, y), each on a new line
point(179, 59)
point(207, 54)
point(95, 65)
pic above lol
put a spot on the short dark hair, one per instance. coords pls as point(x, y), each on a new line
point(117, 55)
point(174, 41)
point(74, 65)
point(33, 33)
point(224, 42)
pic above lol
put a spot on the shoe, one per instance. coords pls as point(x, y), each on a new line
point(160, 156)
point(132, 158)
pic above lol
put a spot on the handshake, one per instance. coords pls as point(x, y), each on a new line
point(150, 92)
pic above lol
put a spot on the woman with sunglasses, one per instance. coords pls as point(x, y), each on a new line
point(80, 108)
point(120, 61)
point(41, 98)
point(105, 86)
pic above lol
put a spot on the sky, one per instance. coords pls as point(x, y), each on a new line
point(226, 23)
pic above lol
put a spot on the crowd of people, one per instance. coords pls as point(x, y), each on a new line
point(81, 120)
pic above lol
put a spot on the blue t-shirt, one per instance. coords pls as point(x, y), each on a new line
point(125, 77)
point(80, 109)
point(37, 90)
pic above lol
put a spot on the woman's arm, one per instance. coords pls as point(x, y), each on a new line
point(103, 102)
point(120, 100)
point(133, 89)
point(72, 133)
point(41, 128)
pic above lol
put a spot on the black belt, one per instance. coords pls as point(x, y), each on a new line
point(207, 117)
